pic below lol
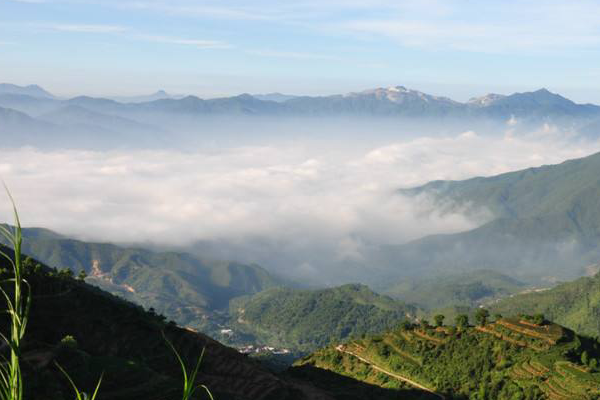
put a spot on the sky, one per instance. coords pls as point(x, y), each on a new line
point(210, 48)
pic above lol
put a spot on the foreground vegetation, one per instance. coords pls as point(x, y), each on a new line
point(510, 358)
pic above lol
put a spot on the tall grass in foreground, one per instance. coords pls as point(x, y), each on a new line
point(80, 395)
point(17, 308)
point(189, 379)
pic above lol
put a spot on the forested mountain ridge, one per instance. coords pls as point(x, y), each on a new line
point(184, 287)
point(542, 219)
point(304, 320)
point(453, 290)
point(573, 304)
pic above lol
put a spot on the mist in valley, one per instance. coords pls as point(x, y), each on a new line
point(313, 200)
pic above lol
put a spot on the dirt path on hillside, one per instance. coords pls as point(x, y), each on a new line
point(393, 375)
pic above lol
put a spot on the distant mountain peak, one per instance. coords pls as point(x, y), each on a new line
point(399, 89)
point(486, 100)
point(275, 96)
point(245, 96)
point(29, 90)
point(401, 94)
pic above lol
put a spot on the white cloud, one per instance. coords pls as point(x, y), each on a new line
point(199, 43)
point(89, 28)
point(490, 27)
point(282, 205)
point(291, 54)
point(132, 34)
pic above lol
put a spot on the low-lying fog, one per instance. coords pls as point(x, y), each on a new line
point(308, 206)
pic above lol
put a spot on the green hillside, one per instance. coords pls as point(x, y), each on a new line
point(307, 319)
point(510, 358)
point(531, 192)
point(90, 332)
point(545, 226)
point(463, 289)
point(185, 288)
point(574, 304)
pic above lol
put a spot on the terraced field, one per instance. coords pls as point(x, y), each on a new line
point(507, 359)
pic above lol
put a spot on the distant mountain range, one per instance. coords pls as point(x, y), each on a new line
point(392, 101)
point(160, 112)
point(158, 95)
point(277, 97)
point(30, 90)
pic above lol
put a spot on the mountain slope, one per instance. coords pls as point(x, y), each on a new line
point(466, 289)
point(276, 97)
point(16, 121)
point(90, 332)
point(18, 127)
point(545, 225)
point(30, 90)
point(305, 320)
point(510, 358)
point(536, 104)
point(75, 115)
point(393, 101)
point(574, 304)
point(185, 288)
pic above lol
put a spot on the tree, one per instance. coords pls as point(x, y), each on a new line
point(481, 316)
point(439, 320)
point(497, 316)
point(82, 275)
point(461, 321)
point(424, 324)
point(585, 358)
point(65, 273)
point(538, 319)
point(405, 326)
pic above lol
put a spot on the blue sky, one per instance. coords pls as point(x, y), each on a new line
point(457, 48)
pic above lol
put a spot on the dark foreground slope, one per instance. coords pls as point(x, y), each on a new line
point(89, 332)
point(510, 358)
point(574, 304)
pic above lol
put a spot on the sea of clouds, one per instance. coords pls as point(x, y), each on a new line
point(294, 207)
